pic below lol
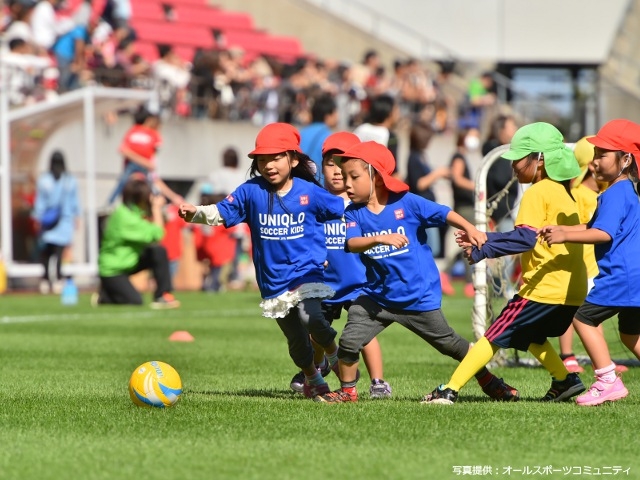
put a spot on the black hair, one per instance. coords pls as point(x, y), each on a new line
point(632, 168)
point(381, 108)
point(322, 106)
point(164, 49)
point(137, 192)
point(15, 43)
point(56, 164)
point(142, 114)
point(230, 158)
point(368, 55)
point(305, 169)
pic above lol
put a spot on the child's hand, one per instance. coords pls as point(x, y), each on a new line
point(394, 239)
point(473, 237)
point(462, 239)
point(187, 211)
point(552, 234)
point(467, 254)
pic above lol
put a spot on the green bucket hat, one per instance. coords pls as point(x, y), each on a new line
point(559, 161)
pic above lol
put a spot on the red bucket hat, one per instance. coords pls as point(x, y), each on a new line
point(380, 158)
point(340, 141)
point(619, 135)
point(276, 138)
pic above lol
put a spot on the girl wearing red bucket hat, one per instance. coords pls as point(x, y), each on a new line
point(344, 271)
point(286, 210)
point(387, 225)
point(615, 232)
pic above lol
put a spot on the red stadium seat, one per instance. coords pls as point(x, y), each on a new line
point(173, 33)
point(213, 18)
point(147, 10)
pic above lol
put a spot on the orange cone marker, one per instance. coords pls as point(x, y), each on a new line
point(181, 336)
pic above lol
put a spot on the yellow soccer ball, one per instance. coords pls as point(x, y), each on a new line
point(155, 384)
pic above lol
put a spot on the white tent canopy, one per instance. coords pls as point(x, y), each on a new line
point(47, 117)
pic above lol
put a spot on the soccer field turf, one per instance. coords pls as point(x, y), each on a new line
point(65, 410)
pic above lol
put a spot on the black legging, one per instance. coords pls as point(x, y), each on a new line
point(119, 290)
point(49, 250)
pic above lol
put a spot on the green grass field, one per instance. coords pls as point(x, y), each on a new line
point(65, 411)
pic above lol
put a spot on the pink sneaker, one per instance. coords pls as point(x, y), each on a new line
point(572, 365)
point(601, 392)
point(312, 391)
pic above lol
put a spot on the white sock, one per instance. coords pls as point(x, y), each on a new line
point(607, 374)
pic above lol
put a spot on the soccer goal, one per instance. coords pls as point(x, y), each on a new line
point(497, 280)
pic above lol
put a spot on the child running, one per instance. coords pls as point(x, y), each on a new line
point(615, 232)
point(285, 209)
point(554, 279)
point(386, 225)
point(344, 271)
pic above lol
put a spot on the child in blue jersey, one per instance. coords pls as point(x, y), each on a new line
point(615, 231)
point(285, 210)
point(387, 225)
point(344, 271)
point(554, 279)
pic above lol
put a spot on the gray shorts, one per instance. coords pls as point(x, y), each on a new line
point(367, 319)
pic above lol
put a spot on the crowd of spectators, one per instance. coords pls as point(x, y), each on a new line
point(47, 50)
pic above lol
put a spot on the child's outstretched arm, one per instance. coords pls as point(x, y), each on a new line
point(205, 214)
point(362, 244)
point(499, 244)
point(473, 235)
point(553, 234)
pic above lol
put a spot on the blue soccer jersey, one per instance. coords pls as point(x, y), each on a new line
point(618, 214)
point(405, 278)
point(345, 272)
point(287, 233)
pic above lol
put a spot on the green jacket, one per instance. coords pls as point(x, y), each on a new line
point(125, 236)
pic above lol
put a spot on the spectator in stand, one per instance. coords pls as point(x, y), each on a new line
point(324, 118)
point(18, 25)
point(420, 175)
point(172, 78)
point(382, 118)
point(480, 96)
point(56, 211)
point(139, 147)
point(69, 50)
point(24, 69)
point(130, 244)
point(47, 26)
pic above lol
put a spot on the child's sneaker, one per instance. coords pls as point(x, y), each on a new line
point(297, 382)
point(601, 392)
point(572, 365)
point(379, 389)
point(312, 391)
point(501, 391)
point(339, 396)
point(565, 389)
point(441, 396)
point(165, 302)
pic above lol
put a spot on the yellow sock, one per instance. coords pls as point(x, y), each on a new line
point(549, 359)
point(481, 354)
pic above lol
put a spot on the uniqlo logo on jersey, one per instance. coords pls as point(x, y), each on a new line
point(351, 224)
point(399, 214)
point(304, 199)
point(230, 197)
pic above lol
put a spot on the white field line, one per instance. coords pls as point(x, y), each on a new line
point(8, 319)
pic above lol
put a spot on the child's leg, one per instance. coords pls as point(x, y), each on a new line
point(549, 359)
point(474, 361)
point(594, 343)
point(632, 343)
point(312, 319)
point(372, 356)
